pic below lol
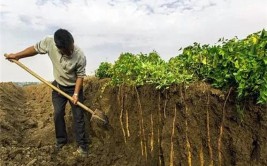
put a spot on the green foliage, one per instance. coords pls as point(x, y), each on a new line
point(143, 69)
point(241, 64)
point(104, 70)
point(138, 69)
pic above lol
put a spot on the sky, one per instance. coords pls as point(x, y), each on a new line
point(104, 29)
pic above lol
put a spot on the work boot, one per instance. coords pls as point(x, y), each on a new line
point(81, 152)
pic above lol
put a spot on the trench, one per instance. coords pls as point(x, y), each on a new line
point(197, 125)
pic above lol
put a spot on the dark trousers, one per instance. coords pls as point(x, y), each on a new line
point(59, 103)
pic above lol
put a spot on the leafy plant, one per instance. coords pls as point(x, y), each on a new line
point(104, 70)
point(241, 64)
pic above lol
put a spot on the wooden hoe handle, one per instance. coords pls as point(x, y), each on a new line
point(53, 87)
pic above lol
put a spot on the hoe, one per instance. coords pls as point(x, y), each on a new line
point(97, 114)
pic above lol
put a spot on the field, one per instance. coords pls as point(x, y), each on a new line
point(206, 106)
point(193, 126)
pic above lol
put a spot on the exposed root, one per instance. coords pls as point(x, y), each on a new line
point(121, 102)
point(208, 132)
point(172, 137)
point(127, 120)
point(165, 105)
point(221, 130)
point(188, 146)
point(152, 133)
point(141, 124)
point(142, 146)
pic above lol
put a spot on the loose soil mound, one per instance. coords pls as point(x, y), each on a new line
point(194, 126)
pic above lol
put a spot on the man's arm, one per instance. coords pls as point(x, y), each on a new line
point(30, 51)
point(78, 85)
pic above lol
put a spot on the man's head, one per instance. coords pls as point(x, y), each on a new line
point(64, 41)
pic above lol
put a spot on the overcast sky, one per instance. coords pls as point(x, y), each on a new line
point(104, 29)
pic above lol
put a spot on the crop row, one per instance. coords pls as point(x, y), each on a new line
point(240, 64)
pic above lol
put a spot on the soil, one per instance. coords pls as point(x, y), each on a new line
point(196, 125)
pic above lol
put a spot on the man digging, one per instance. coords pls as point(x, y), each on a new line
point(69, 65)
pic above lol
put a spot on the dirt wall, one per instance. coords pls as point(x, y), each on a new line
point(197, 125)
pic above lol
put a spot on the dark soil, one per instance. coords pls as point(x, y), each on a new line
point(198, 125)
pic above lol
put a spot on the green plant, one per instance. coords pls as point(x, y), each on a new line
point(241, 64)
point(104, 70)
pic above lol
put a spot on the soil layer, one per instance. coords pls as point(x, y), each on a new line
point(196, 125)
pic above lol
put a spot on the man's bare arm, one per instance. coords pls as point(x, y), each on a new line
point(78, 85)
point(30, 51)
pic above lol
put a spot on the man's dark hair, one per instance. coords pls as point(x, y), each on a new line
point(63, 39)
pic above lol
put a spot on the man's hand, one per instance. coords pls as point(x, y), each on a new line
point(11, 56)
point(75, 98)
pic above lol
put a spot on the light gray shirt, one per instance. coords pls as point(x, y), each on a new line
point(66, 69)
